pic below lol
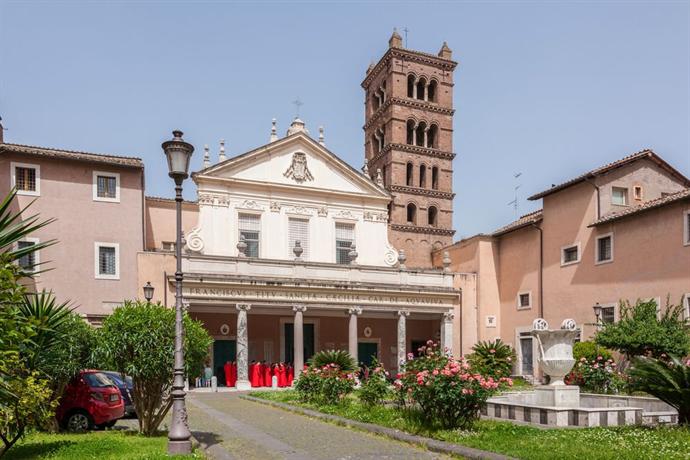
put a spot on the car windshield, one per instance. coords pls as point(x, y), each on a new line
point(97, 380)
point(117, 378)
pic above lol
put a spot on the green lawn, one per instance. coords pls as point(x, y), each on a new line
point(101, 445)
point(523, 441)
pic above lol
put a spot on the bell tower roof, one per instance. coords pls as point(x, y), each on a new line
point(396, 40)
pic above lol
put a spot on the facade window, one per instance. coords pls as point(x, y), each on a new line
point(434, 178)
point(422, 176)
point(410, 132)
point(168, 246)
point(106, 186)
point(524, 300)
point(433, 216)
point(604, 248)
point(570, 254)
point(26, 178)
point(107, 260)
point(686, 233)
point(608, 314)
point(28, 262)
point(250, 228)
point(526, 354)
point(431, 137)
point(431, 91)
point(421, 88)
point(298, 230)
point(619, 196)
point(408, 175)
point(411, 213)
point(637, 192)
point(344, 239)
point(686, 307)
point(410, 86)
point(420, 135)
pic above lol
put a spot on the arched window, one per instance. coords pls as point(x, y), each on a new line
point(410, 132)
point(431, 137)
point(410, 86)
point(374, 144)
point(434, 177)
point(421, 87)
point(411, 213)
point(383, 173)
point(433, 216)
point(409, 174)
point(431, 91)
point(422, 176)
point(420, 134)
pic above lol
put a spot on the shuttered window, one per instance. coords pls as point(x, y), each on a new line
point(298, 230)
point(344, 237)
point(250, 229)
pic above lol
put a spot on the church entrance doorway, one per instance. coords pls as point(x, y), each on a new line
point(308, 342)
point(223, 351)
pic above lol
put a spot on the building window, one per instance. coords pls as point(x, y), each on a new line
point(570, 254)
point(431, 91)
point(250, 229)
point(411, 214)
point(30, 261)
point(107, 261)
point(410, 85)
point(410, 132)
point(434, 178)
point(686, 236)
point(26, 178)
point(604, 248)
point(431, 137)
point(433, 216)
point(608, 314)
point(422, 176)
point(524, 300)
point(619, 196)
point(344, 239)
point(409, 175)
point(420, 134)
point(106, 186)
point(421, 87)
point(168, 246)
point(298, 230)
point(637, 192)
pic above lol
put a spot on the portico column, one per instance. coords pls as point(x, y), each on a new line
point(354, 312)
point(242, 347)
point(447, 332)
point(402, 337)
point(298, 342)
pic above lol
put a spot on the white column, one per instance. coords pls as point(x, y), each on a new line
point(242, 347)
point(447, 332)
point(298, 339)
point(414, 89)
point(402, 337)
point(414, 134)
point(354, 312)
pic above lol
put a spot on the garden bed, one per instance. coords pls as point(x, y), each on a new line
point(519, 441)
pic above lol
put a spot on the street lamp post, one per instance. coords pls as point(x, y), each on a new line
point(178, 153)
point(148, 291)
point(597, 315)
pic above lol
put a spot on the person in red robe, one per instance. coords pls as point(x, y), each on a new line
point(228, 373)
point(253, 374)
point(290, 375)
point(233, 373)
point(262, 370)
point(282, 380)
point(267, 375)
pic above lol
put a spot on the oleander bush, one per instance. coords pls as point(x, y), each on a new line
point(325, 385)
point(597, 375)
point(375, 388)
point(442, 391)
point(493, 358)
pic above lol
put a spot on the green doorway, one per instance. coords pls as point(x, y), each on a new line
point(367, 352)
point(223, 351)
point(307, 342)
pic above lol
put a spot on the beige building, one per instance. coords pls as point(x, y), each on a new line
point(620, 231)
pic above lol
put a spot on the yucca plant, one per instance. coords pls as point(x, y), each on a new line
point(340, 358)
point(492, 358)
point(668, 381)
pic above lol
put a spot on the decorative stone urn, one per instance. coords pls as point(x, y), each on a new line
point(555, 348)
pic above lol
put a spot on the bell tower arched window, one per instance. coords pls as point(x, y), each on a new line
point(420, 134)
point(432, 216)
point(410, 132)
point(431, 138)
point(421, 89)
point(410, 85)
point(431, 91)
point(408, 176)
point(422, 176)
point(434, 178)
point(411, 213)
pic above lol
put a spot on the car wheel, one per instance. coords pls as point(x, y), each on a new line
point(79, 421)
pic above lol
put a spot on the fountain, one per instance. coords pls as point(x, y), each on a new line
point(556, 360)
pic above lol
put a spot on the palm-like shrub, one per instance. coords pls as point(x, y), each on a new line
point(340, 358)
point(492, 358)
point(668, 381)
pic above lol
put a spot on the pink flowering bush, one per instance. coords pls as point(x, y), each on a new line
point(598, 375)
point(444, 391)
point(327, 384)
point(375, 387)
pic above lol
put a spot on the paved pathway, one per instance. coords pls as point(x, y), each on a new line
point(239, 429)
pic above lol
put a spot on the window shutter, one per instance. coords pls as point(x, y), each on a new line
point(298, 230)
point(250, 228)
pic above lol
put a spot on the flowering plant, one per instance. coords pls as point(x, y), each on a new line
point(443, 390)
point(327, 384)
point(493, 358)
point(598, 375)
point(375, 387)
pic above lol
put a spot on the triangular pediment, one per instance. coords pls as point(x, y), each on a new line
point(296, 160)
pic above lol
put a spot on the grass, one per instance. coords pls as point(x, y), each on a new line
point(520, 441)
point(101, 445)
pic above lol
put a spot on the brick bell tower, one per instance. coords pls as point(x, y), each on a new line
point(408, 134)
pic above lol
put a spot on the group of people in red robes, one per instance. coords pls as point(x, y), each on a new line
point(261, 374)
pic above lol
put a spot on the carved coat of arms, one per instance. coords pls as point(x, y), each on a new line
point(298, 170)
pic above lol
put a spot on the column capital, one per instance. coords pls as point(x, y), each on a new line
point(354, 311)
point(243, 306)
point(299, 308)
point(448, 316)
point(404, 313)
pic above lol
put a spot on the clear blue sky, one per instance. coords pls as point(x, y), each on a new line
point(548, 89)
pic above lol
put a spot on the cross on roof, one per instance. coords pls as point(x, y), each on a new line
point(297, 104)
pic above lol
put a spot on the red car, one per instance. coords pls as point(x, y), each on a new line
point(90, 400)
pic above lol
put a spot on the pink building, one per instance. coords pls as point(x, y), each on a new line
point(618, 232)
point(97, 203)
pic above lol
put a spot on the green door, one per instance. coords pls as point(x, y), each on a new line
point(307, 341)
point(223, 351)
point(367, 352)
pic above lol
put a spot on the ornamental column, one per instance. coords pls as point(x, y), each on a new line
point(298, 342)
point(242, 347)
point(447, 332)
point(354, 312)
point(402, 337)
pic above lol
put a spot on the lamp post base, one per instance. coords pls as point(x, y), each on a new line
point(179, 447)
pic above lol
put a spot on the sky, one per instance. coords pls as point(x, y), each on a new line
point(546, 89)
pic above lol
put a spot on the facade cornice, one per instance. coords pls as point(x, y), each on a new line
point(422, 191)
point(413, 103)
point(410, 55)
point(425, 230)
point(434, 153)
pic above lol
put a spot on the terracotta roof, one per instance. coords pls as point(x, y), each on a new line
point(523, 221)
point(649, 154)
point(72, 155)
point(162, 199)
point(652, 204)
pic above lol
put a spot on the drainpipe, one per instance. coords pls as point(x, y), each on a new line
point(596, 187)
point(541, 269)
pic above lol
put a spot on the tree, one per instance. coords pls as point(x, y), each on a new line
point(138, 340)
point(643, 331)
